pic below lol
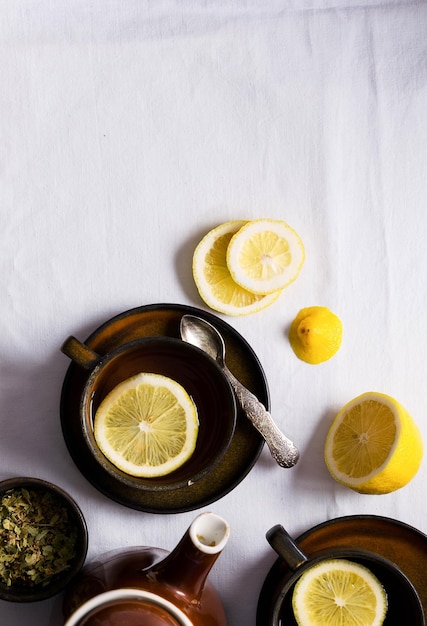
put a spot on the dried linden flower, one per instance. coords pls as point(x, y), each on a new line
point(37, 537)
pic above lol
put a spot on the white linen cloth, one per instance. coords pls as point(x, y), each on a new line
point(128, 129)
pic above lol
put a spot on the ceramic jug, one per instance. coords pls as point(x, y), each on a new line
point(151, 587)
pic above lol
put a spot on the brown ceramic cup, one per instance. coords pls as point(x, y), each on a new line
point(404, 604)
point(200, 376)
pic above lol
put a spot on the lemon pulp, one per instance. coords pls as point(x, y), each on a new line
point(147, 426)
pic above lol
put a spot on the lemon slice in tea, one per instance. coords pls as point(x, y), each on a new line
point(337, 592)
point(147, 426)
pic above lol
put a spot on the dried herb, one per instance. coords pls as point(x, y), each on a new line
point(37, 537)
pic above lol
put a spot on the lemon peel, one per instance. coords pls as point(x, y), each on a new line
point(315, 334)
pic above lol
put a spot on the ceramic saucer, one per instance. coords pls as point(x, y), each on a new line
point(394, 540)
point(163, 320)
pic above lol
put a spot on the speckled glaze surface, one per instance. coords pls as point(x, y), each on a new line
point(153, 321)
point(391, 539)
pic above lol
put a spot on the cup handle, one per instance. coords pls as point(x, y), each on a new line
point(80, 353)
point(280, 540)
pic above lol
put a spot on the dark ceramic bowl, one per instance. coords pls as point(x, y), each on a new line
point(404, 603)
point(200, 376)
point(68, 528)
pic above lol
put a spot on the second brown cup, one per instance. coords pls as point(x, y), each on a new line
point(404, 604)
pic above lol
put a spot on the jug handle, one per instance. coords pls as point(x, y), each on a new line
point(80, 353)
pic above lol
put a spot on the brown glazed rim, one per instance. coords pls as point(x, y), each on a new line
point(245, 447)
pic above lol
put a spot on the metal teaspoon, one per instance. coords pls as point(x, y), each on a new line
point(202, 334)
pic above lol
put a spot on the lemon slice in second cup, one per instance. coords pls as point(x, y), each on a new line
point(147, 426)
point(337, 592)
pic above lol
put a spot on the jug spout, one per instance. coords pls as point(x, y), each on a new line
point(209, 533)
point(189, 564)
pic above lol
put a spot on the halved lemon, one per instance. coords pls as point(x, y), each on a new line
point(265, 255)
point(373, 445)
point(338, 592)
point(213, 279)
point(147, 425)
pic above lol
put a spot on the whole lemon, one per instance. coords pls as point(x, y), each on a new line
point(316, 334)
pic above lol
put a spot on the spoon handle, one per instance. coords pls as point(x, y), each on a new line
point(282, 449)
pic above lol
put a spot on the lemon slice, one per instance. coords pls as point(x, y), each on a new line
point(147, 425)
point(315, 334)
point(337, 592)
point(213, 279)
point(373, 445)
point(265, 255)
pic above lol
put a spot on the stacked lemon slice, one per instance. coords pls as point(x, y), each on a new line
point(241, 267)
